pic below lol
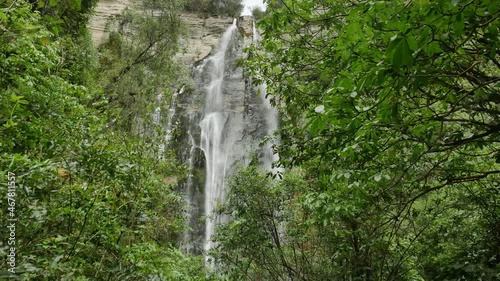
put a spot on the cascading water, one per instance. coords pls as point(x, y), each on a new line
point(271, 117)
point(234, 120)
point(157, 116)
point(187, 236)
point(212, 127)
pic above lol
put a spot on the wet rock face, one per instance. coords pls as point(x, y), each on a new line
point(202, 36)
point(245, 26)
point(244, 126)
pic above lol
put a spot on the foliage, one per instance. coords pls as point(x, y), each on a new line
point(231, 8)
point(202, 6)
point(390, 108)
point(64, 16)
point(269, 236)
point(92, 202)
point(136, 62)
point(258, 13)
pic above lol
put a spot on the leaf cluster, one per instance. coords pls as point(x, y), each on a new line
point(92, 201)
point(391, 109)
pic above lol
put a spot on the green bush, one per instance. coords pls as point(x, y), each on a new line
point(91, 200)
point(232, 8)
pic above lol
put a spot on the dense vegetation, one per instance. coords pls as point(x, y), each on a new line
point(232, 8)
point(257, 13)
point(91, 198)
point(390, 139)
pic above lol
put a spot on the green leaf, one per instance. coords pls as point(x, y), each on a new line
point(493, 7)
point(15, 98)
point(432, 48)
point(317, 125)
point(3, 17)
point(458, 24)
point(402, 54)
point(412, 43)
point(493, 52)
point(9, 124)
point(393, 43)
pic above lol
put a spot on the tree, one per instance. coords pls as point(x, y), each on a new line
point(391, 108)
point(231, 8)
point(257, 12)
point(64, 16)
point(90, 199)
point(268, 235)
point(137, 61)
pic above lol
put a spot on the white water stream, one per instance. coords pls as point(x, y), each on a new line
point(212, 127)
point(234, 122)
point(272, 121)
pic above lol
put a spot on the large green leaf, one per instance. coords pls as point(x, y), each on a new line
point(402, 55)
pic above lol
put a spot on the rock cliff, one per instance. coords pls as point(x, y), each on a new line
point(200, 38)
point(104, 11)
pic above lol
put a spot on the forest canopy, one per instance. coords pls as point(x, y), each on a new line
point(80, 173)
point(232, 8)
point(389, 114)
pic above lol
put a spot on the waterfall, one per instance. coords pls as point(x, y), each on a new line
point(170, 116)
point(187, 243)
point(223, 127)
point(272, 121)
point(212, 127)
